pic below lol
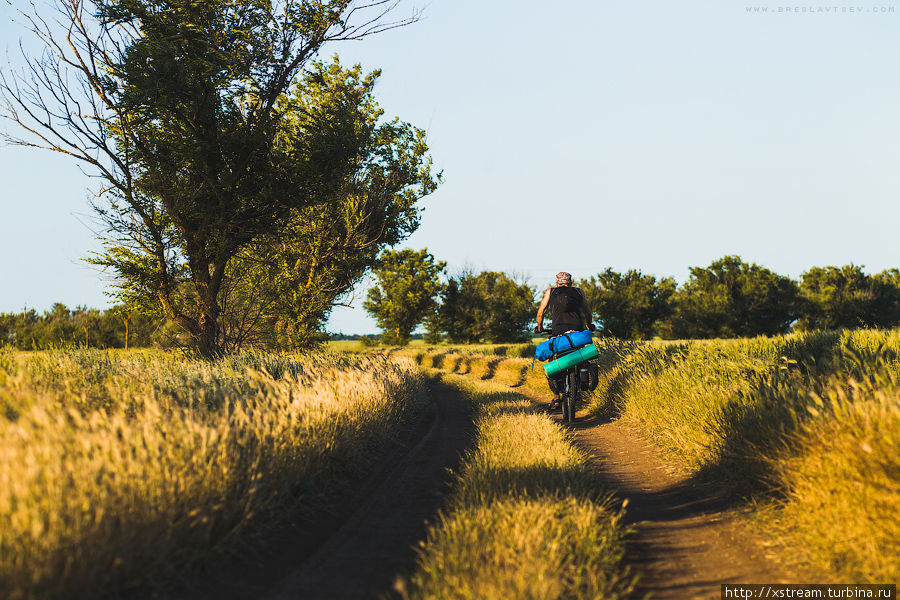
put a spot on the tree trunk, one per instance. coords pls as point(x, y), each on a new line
point(207, 334)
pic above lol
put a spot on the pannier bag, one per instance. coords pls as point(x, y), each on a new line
point(579, 356)
point(589, 374)
point(561, 343)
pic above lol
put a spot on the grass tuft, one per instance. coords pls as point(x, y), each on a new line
point(527, 518)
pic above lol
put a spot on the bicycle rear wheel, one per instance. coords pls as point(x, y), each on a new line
point(571, 398)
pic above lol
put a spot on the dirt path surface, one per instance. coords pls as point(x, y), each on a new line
point(365, 556)
point(357, 549)
point(687, 542)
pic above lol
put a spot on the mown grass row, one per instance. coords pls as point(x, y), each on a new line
point(526, 519)
point(805, 427)
point(122, 470)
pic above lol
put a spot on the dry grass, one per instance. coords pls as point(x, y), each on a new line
point(842, 483)
point(526, 519)
point(121, 469)
point(807, 426)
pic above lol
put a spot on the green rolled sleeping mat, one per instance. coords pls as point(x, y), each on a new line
point(579, 356)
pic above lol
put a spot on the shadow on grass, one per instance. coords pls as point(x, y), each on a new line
point(491, 368)
point(522, 377)
point(756, 428)
point(437, 360)
point(532, 482)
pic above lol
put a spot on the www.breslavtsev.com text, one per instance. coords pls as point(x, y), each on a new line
point(821, 9)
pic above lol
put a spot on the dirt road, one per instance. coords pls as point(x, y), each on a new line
point(364, 557)
point(688, 542)
point(357, 549)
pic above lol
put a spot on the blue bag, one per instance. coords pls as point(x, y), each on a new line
point(560, 343)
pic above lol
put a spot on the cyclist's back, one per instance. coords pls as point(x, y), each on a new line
point(566, 309)
point(569, 309)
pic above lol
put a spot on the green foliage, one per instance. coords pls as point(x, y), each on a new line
point(629, 305)
point(732, 298)
point(845, 297)
point(488, 306)
point(407, 284)
point(116, 327)
point(210, 141)
point(281, 289)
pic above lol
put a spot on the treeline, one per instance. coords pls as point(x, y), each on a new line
point(733, 298)
point(728, 298)
point(470, 307)
point(116, 327)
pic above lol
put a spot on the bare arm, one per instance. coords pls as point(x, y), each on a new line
point(540, 314)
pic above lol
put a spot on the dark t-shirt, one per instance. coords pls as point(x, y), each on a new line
point(565, 309)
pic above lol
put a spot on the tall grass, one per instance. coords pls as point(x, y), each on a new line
point(841, 482)
point(806, 426)
point(807, 421)
point(527, 518)
point(119, 469)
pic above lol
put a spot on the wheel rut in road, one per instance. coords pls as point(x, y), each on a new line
point(377, 543)
point(359, 547)
point(688, 542)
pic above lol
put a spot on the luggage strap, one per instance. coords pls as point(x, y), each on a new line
point(553, 346)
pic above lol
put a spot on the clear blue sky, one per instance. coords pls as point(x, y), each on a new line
point(656, 135)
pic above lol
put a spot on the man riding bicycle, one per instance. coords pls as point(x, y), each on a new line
point(569, 311)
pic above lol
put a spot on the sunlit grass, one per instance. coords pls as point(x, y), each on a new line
point(527, 518)
point(119, 468)
point(805, 425)
point(807, 421)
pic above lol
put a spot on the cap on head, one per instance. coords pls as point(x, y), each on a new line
point(563, 278)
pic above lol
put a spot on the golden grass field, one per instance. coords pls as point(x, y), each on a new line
point(120, 469)
point(526, 518)
point(123, 469)
point(804, 429)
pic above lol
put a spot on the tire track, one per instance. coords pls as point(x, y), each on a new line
point(688, 542)
point(366, 540)
point(365, 556)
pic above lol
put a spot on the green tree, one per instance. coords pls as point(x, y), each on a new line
point(631, 305)
point(280, 290)
point(732, 298)
point(487, 306)
point(887, 307)
point(182, 108)
point(839, 297)
point(407, 285)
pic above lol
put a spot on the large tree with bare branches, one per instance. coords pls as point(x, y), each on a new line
point(182, 108)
